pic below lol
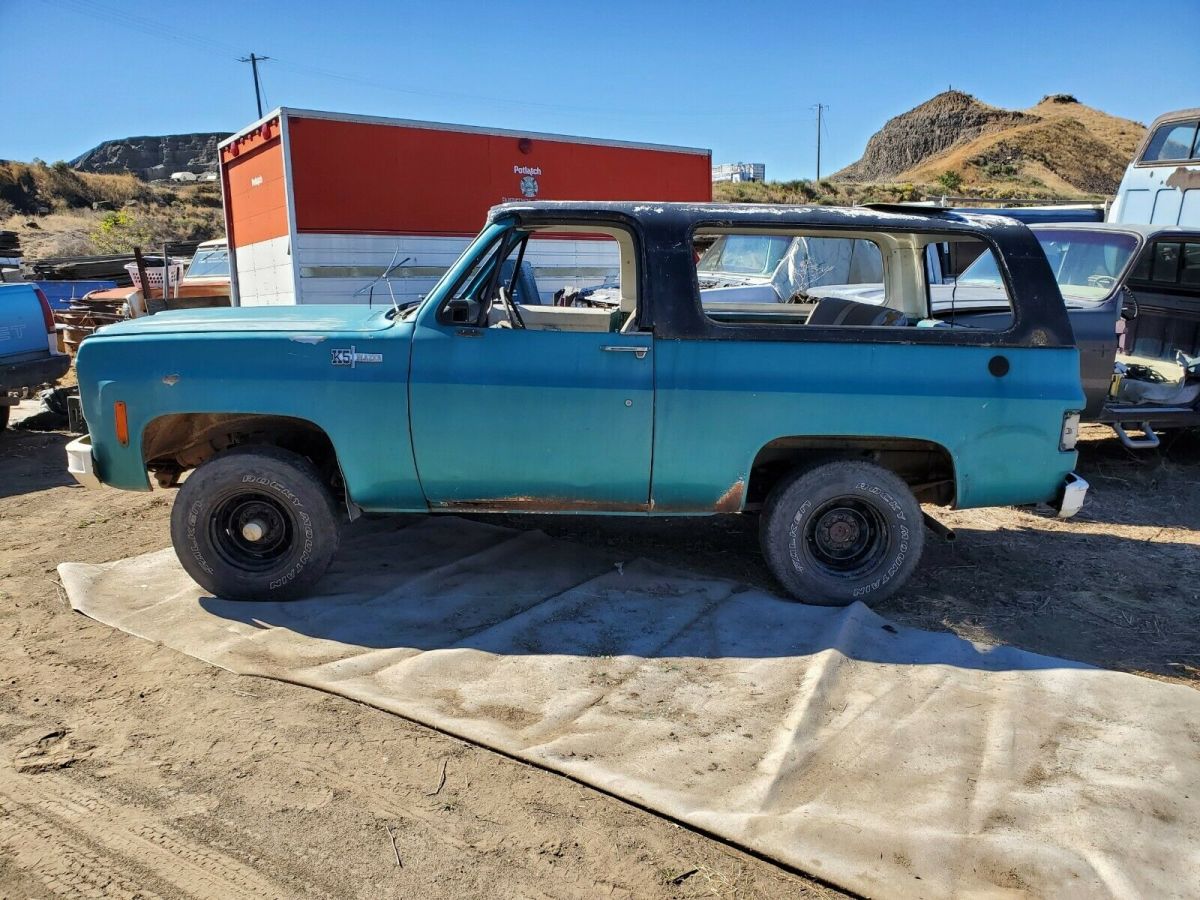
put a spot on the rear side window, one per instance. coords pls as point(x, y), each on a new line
point(835, 279)
point(1173, 141)
point(1189, 271)
point(1164, 265)
point(1169, 263)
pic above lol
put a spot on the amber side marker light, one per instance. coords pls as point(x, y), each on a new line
point(121, 418)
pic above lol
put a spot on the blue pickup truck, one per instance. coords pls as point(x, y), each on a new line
point(832, 422)
point(29, 354)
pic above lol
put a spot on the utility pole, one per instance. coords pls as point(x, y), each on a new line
point(254, 61)
point(819, 107)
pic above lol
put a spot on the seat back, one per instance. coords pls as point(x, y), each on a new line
point(839, 311)
point(525, 291)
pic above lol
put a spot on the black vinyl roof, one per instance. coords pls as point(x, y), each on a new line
point(875, 217)
point(669, 298)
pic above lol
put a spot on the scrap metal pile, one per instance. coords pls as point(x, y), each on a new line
point(79, 315)
point(10, 255)
point(90, 312)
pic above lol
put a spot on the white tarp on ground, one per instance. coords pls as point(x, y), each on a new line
point(890, 761)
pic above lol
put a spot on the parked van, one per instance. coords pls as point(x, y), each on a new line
point(1162, 184)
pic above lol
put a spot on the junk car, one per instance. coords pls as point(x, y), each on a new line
point(832, 422)
point(29, 354)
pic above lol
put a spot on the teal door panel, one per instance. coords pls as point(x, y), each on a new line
point(527, 419)
point(719, 402)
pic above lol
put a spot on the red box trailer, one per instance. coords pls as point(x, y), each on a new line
point(319, 206)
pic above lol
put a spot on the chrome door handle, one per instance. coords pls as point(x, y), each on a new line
point(640, 352)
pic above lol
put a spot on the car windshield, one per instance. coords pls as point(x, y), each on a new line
point(744, 254)
point(212, 263)
point(1086, 264)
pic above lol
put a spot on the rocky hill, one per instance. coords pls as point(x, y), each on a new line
point(926, 131)
point(154, 157)
point(1058, 146)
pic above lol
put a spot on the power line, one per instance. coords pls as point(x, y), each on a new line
point(254, 61)
point(125, 21)
point(819, 107)
point(157, 29)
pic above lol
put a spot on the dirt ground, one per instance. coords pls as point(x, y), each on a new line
point(128, 770)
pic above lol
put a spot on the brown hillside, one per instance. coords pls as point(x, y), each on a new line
point(1068, 147)
point(57, 211)
point(1058, 146)
point(925, 131)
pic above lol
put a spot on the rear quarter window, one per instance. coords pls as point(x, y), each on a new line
point(859, 279)
point(1169, 263)
point(1172, 141)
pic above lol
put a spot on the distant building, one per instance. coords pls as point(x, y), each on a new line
point(739, 172)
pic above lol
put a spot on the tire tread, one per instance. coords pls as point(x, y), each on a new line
point(775, 519)
point(300, 476)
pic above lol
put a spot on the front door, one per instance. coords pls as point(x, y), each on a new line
point(555, 415)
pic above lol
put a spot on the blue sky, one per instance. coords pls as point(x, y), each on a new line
point(738, 77)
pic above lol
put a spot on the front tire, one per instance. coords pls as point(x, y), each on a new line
point(841, 532)
point(255, 523)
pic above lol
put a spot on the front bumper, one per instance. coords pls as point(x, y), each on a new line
point(1070, 496)
point(80, 463)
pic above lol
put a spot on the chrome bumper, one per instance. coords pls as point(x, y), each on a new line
point(1071, 497)
point(80, 463)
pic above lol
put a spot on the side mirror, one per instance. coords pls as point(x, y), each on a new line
point(459, 312)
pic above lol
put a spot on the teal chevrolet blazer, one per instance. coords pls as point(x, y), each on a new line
point(616, 383)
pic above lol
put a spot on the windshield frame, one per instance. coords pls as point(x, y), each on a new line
point(483, 243)
point(203, 255)
point(768, 269)
point(1044, 232)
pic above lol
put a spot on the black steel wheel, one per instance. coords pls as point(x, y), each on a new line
point(255, 523)
point(841, 532)
point(251, 531)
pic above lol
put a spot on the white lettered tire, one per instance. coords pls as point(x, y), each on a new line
point(255, 523)
point(841, 532)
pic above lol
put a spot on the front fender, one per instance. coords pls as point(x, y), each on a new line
point(361, 402)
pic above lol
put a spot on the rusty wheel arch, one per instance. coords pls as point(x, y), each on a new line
point(925, 466)
point(174, 443)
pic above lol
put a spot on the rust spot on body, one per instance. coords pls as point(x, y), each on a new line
point(1184, 179)
point(540, 504)
point(731, 500)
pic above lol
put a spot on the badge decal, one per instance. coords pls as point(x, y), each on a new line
point(351, 357)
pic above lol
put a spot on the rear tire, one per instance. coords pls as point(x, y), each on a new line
point(841, 532)
point(255, 523)
point(4, 417)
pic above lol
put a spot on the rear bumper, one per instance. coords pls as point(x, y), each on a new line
point(31, 373)
point(80, 463)
point(1070, 496)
